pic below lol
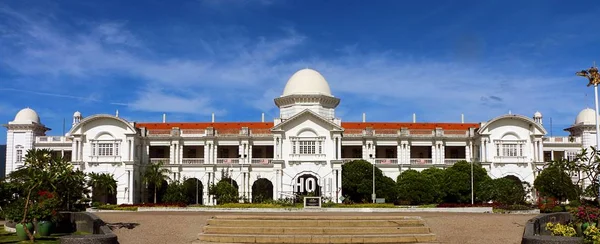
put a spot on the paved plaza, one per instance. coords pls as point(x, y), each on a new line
point(184, 227)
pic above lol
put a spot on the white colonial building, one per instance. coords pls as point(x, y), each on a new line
point(301, 151)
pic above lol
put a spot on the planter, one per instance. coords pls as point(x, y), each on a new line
point(45, 228)
point(21, 231)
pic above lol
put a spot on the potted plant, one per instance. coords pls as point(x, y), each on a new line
point(44, 211)
point(14, 213)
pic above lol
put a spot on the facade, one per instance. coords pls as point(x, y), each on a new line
point(301, 151)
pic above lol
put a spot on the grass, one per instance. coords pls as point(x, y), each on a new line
point(10, 237)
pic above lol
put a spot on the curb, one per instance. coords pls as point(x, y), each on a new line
point(335, 210)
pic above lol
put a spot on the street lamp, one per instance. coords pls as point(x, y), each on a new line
point(594, 79)
point(373, 161)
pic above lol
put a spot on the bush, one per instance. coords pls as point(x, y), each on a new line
point(416, 188)
point(224, 192)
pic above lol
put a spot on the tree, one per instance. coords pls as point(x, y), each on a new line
point(357, 182)
point(457, 181)
point(224, 192)
point(436, 177)
point(176, 193)
point(43, 172)
point(155, 174)
point(104, 184)
point(415, 187)
point(505, 190)
point(584, 167)
point(555, 182)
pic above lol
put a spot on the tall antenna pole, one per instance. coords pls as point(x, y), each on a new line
point(550, 126)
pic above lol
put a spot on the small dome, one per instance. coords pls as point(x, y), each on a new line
point(586, 116)
point(27, 116)
point(307, 81)
point(77, 114)
point(537, 114)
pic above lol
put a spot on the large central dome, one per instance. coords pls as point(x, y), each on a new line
point(307, 82)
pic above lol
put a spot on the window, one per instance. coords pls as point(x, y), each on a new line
point(513, 148)
point(509, 150)
point(19, 156)
point(307, 147)
point(105, 149)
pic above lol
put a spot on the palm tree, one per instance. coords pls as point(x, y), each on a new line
point(155, 174)
point(105, 183)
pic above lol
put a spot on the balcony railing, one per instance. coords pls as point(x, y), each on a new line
point(156, 160)
point(192, 132)
point(562, 139)
point(261, 132)
point(452, 161)
point(228, 160)
point(262, 160)
point(421, 132)
point(455, 133)
point(159, 133)
point(386, 161)
point(420, 161)
point(192, 161)
point(53, 139)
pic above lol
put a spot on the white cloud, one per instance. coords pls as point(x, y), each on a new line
point(159, 101)
point(385, 82)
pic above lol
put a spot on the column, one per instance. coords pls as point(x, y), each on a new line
point(442, 152)
point(215, 148)
point(407, 156)
point(468, 152)
point(399, 152)
point(276, 186)
point(540, 151)
point(339, 147)
point(433, 154)
point(551, 155)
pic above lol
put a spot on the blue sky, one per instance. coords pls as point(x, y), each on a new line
point(390, 59)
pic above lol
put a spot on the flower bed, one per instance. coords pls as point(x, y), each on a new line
point(580, 224)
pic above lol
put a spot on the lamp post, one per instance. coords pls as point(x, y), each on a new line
point(373, 195)
point(472, 189)
point(594, 79)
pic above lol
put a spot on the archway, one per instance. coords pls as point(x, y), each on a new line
point(101, 195)
point(306, 184)
point(160, 191)
point(262, 190)
point(193, 191)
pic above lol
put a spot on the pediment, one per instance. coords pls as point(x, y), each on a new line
point(307, 115)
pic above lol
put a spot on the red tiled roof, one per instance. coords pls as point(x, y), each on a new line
point(395, 125)
point(217, 125)
point(345, 125)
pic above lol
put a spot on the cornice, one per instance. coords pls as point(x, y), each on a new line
point(324, 100)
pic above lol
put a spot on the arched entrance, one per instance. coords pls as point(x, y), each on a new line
point(160, 191)
point(262, 190)
point(193, 191)
point(306, 184)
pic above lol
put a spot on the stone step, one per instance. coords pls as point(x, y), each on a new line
point(378, 238)
point(316, 223)
point(314, 217)
point(315, 230)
